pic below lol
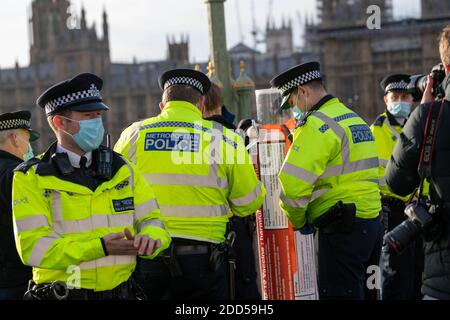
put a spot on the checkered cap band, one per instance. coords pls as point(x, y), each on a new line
point(14, 124)
point(184, 81)
point(300, 80)
point(402, 85)
point(92, 92)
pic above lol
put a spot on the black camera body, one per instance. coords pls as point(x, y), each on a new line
point(409, 230)
point(419, 82)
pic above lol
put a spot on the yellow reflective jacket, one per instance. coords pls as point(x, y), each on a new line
point(333, 157)
point(59, 223)
point(386, 132)
point(200, 171)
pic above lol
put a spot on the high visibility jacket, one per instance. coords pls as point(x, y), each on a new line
point(333, 157)
point(386, 132)
point(200, 171)
point(59, 223)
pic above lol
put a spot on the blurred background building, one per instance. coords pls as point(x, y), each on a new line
point(354, 58)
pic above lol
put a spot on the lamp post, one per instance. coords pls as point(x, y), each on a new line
point(219, 53)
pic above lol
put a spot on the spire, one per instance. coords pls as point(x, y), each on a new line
point(83, 18)
point(105, 25)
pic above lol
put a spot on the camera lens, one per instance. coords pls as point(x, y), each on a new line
point(402, 235)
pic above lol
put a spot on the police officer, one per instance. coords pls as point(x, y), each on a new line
point(401, 274)
point(82, 213)
point(403, 176)
point(15, 137)
point(245, 278)
point(329, 180)
point(202, 175)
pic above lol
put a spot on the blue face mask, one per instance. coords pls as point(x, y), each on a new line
point(399, 109)
point(298, 114)
point(90, 135)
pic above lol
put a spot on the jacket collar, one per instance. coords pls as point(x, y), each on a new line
point(392, 120)
point(6, 155)
point(222, 120)
point(182, 106)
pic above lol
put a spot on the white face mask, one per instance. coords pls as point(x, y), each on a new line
point(399, 109)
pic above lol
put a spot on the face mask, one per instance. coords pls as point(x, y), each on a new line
point(90, 135)
point(29, 155)
point(297, 112)
point(400, 109)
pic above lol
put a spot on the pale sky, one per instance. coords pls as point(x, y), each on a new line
point(138, 28)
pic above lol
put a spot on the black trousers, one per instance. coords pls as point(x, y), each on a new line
point(344, 261)
point(246, 277)
point(401, 274)
point(197, 282)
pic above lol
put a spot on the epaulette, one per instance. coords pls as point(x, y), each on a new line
point(24, 166)
point(380, 120)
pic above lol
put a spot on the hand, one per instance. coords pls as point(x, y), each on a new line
point(307, 229)
point(143, 243)
point(427, 94)
point(115, 244)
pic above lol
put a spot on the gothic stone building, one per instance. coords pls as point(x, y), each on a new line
point(354, 58)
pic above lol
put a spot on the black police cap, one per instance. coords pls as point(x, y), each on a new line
point(81, 93)
point(18, 120)
point(395, 82)
point(299, 75)
point(188, 77)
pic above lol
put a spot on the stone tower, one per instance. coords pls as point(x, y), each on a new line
point(48, 21)
point(279, 40)
point(336, 13)
point(178, 52)
point(74, 50)
point(435, 8)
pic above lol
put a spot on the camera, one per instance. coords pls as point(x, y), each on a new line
point(409, 230)
point(418, 83)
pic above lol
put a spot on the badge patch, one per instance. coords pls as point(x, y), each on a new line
point(172, 141)
point(361, 133)
point(123, 204)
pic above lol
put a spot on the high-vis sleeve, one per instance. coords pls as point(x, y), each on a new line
point(305, 162)
point(148, 217)
point(126, 145)
point(37, 243)
point(246, 192)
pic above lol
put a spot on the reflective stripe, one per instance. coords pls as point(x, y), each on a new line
point(31, 223)
point(195, 211)
point(108, 261)
point(191, 237)
point(294, 203)
point(40, 248)
point(299, 173)
point(301, 202)
point(248, 198)
point(150, 222)
point(383, 181)
point(132, 143)
point(131, 174)
point(145, 208)
point(340, 132)
point(350, 167)
point(316, 194)
point(88, 224)
point(383, 162)
point(187, 180)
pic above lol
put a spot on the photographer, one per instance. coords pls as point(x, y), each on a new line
point(431, 156)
